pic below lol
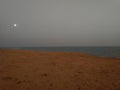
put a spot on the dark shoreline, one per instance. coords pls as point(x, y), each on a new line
point(107, 52)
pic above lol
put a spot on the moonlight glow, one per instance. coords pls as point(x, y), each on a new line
point(15, 25)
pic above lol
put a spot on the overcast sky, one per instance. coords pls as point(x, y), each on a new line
point(60, 23)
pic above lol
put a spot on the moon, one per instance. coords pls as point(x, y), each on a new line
point(15, 25)
point(12, 27)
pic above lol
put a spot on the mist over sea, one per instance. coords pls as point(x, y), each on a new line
point(113, 52)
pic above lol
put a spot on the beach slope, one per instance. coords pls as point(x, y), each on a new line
point(38, 70)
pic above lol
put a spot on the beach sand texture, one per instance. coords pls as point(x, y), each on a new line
point(39, 70)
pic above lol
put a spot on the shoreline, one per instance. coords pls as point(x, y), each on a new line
point(45, 51)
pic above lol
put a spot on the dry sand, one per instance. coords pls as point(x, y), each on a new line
point(35, 70)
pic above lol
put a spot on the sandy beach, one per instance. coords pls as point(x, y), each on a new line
point(38, 70)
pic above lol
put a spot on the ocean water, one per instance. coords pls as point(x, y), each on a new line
point(113, 52)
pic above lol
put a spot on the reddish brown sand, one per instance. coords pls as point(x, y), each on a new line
point(34, 70)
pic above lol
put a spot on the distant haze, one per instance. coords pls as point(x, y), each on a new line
point(59, 23)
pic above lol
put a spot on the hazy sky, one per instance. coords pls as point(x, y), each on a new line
point(60, 23)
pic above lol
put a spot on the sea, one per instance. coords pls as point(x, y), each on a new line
point(112, 52)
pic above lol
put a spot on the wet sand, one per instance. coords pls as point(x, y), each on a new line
point(38, 70)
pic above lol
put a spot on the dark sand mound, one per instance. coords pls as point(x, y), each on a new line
point(34, 70)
